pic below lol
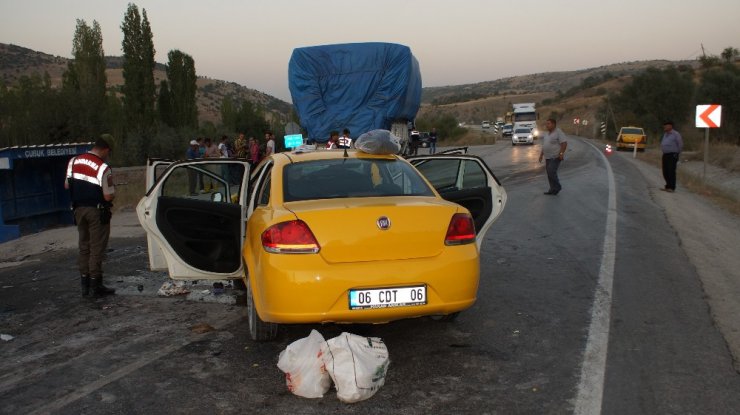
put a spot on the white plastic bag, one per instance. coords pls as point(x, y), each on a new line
point(357, 365)
point(378, 142)
point(305, 374)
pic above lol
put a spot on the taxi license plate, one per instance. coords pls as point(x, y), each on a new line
point(387, 297)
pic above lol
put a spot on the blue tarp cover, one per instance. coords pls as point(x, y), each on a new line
point(359, 86)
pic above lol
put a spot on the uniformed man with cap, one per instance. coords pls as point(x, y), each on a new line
point(90, 183)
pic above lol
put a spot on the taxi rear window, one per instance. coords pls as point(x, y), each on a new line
point(343, 178)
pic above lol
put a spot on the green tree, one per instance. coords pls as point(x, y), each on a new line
point(164, 104)
point(447, 126)
point(183, 88)
point(709, 61)
point(729, 54)
point(654, 96)
point(722, 86)
point(84, 82)
point(139, 91)
point(244, 117)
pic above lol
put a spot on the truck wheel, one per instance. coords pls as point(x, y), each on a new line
point(258, 329)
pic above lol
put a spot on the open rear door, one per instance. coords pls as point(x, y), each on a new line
point(199, 233)
point(468, 181)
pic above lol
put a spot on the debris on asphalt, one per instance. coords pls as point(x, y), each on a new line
point(201, 328)
point(171, 288)
point(6, 337)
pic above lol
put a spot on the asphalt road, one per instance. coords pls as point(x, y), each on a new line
point(518, 350)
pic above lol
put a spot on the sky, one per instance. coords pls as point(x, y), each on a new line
point(455, 41)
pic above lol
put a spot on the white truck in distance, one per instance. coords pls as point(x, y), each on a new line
point(525, 116)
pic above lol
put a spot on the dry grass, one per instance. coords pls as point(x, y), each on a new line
point(721, 155)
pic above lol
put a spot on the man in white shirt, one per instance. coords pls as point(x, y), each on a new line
point(270, 146)
point(554, 143)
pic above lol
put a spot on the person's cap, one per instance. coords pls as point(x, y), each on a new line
point(194, 143)
point(666, 122)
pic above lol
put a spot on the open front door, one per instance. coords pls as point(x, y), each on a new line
point(195, 216)
point(467, 181)
point(154, 170)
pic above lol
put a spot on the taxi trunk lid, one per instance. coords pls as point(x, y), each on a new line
point(350, 230)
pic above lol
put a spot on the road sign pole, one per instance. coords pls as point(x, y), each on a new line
point(706, 154)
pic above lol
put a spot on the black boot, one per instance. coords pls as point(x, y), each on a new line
point(98, 289)
point(85, 282)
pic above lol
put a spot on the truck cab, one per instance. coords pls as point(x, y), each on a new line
point(525, 116)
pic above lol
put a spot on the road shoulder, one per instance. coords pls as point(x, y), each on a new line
point(709, 236)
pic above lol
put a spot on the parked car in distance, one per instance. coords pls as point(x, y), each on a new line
point(507, 130)
point(629, 137)
point(320, 236)
point(522, 136)
point(485, 124)
point(424, 139)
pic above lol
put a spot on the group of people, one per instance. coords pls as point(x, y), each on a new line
point(241, 148)
point(415, 139)
point(335, 141)
point(554, 144)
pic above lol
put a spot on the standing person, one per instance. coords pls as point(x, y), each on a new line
point(414, 138)
point(671, 144)
point(90, 183)
point(270, 143)
point(193, 176)
point(201, 147)
point(433, 141)
point(240, 146)
point(554, 144)
point(333, 140)
point(223, 147)
point(212, 150)
point(345, 141)
point(254, 152)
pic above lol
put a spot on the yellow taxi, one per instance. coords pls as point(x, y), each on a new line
point(629, 137)
point(327, 236)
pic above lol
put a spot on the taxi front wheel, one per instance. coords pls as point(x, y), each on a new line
point(259, 330)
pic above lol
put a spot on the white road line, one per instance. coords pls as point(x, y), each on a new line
point(591, 386)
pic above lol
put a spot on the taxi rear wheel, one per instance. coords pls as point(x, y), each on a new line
point(258, 330)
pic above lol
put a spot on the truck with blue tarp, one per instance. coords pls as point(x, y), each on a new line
point(354, 86)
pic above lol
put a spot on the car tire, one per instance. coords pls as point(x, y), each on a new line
point(259, 330)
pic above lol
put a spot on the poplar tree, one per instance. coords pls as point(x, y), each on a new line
point(183, 88)
point(139, 90)
point(84, 81)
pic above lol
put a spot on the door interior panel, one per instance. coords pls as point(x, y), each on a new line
point(477, 200)
point(205, 235)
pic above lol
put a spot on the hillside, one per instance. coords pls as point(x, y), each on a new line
point(563, 95)
point(16, 61)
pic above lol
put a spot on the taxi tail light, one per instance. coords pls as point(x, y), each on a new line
point(461, 230)
point(291, 237)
